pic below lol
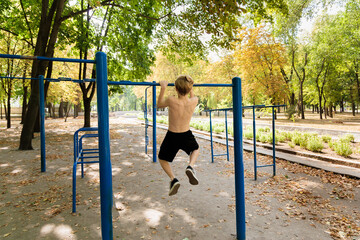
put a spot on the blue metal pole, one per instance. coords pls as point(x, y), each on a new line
point(42, 123)
point(254, 143)
point(170, 84)
point(104, 147)
point(273, 133)
point(154, 122)
point(211, 140)
point(227, 136)
point(146, 120)
point(46, 58)
point(238, 162)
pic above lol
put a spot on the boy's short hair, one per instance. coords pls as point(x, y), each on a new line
point(184, 84)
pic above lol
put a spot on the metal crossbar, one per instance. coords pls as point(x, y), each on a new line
point(46, 58)
point(170, 84)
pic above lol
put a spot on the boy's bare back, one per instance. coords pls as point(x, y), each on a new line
point(181, 109)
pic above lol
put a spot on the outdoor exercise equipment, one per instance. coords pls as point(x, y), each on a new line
point(81, 153)
point(106, 195)
point(146, 122)
point(238, 148)
point(253, 107)
point(42, 102)
point(226, 134)
point(256, 166)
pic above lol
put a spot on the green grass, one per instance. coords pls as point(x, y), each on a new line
point(309, 141)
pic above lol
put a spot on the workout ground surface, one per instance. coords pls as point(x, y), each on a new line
point(299, 203)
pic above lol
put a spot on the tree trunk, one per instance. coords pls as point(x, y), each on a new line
point(24, 103)
point(8, 118)
point(330, 110)
point(87, 112)
point(53, 110)
point(353, 107)
point(302, 101)
point(320, 106)
point(45, 45)
point(61, 109)
point(341, 106)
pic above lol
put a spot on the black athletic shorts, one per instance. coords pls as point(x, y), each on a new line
point(175, 141)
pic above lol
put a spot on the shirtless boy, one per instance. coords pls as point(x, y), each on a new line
point(179, 136)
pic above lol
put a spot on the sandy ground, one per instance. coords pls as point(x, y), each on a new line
point(299, 203)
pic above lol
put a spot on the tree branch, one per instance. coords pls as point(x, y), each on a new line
point(15, 34)
point(27, 23)
point(111, 3)
point(73, 14)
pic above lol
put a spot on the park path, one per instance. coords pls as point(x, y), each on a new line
point(299, 203)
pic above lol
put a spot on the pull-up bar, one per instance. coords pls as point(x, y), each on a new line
point(60, 79)
point(170, 84)
point(46, 58)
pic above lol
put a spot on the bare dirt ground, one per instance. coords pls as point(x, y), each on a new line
point(299, 203)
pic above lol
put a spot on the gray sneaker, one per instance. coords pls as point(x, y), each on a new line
point(174, 187)
point(190, 172)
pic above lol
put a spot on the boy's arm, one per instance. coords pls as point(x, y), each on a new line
point(192, 96)
point(161, 102)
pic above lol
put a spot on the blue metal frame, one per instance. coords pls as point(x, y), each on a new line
point(146, 122)
point(238, 160)
point(170, 84)
point(79, 157)
point(273, 135)
point(42, 123)
point(46, 58)
point(106, 193)
point(154, 120)
point(226, 134)
point(60, 79)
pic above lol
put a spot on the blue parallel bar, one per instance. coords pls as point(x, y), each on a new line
point(88, 152)
point(269, 165)
point(211, 140)
point(220, 154)
point(76, 139)
point(26, 78)
point(90, 162)
point(42, 123)
point(60, 79)
point(146, 122)
point(256, 106)
point(154, 121)
point(226, 134)
point(170, 84)
point(46, 58)
point(254, 143)
point(219, 109)
point(227, 137)
point(238, 161)
point(84, 157)
point(273, 143)
point(106, 192)
point(87, 135)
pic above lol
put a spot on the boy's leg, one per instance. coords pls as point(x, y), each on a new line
point(193, 156)
point(166, 166)
point(189, 170)
point(174, 183)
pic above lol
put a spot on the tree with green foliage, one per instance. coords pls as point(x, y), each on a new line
point(178, 24)
point(261, 57)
